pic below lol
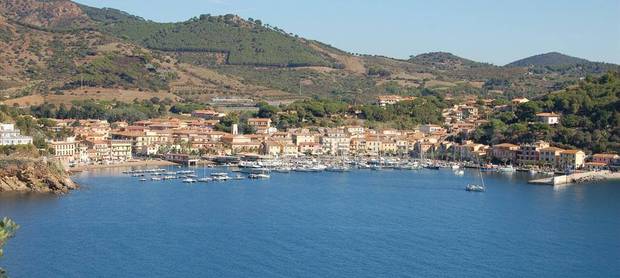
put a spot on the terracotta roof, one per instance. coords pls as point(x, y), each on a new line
point(259, 120)
point(552, 149)
point(571, 151)
point(605, 155)
point(547, 115)
point(506, 145)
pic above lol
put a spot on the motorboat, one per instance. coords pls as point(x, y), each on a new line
point(204, 179)
point(189, 180)
point(155, 179)
point(337, 169)
point(506, 169)
point(259, 176)
point(459, 172)
point(475, 188)
point(220, 176)
point(142, 179)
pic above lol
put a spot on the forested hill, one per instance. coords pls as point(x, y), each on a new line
point(548, 59)
point(446, 61)
point(244, 42)
point(590, 118)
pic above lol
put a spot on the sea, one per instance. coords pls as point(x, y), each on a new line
point(363, 223)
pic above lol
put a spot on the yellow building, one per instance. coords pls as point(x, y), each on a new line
point(571, 159)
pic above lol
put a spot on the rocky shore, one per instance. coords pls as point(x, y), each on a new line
point(33, 175)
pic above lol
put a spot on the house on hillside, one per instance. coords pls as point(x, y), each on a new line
point(548, 118)
point(9, 135)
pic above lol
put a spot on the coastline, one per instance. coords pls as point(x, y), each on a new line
point(136, 163)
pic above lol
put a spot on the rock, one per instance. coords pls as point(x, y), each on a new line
point(33, 175)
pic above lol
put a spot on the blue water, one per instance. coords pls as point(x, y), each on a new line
point(358, 224)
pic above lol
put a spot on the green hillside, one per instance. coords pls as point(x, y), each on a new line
point(548, 59)
point(445, 60)
point(245, 42)
point(590, 118)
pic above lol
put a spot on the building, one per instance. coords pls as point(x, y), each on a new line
point(548, 118)
point(505, 152)
point(530, 153)
point(336, 142)
point(99, 150)
point(605, 158)
point(64, 150)
point(571, 159)
point(120, 150)
point(549, 156)
point(207, 114)
point(388, 100)
point(261, 125)
point(310, 148)
point(430, 128)
point(518, 101)
point(303, 137)
point(10, 136)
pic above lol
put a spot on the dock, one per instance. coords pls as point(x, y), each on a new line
point(577, 178)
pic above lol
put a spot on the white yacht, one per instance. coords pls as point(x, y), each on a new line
point(506, 169)
point(259, 176)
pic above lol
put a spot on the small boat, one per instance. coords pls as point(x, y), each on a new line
point(204, 179)
point(282, 170)
point(220, 176)
point(432, 167)
point(259, 176)
point(376, 167)
point(533, 172)
point(475, 188)
point(506, 169)
point(459, 172)
point(155, 179)
point(338, 169)
point(142, 179)
point(455, 166)
point(239, 177)
point(189, 180)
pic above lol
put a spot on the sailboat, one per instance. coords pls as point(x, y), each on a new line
point(477, 187)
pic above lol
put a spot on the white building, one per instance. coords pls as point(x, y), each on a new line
point(9, 135)
point(430, 128)
point(548, 118)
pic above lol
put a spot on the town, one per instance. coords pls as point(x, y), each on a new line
point(188, 138)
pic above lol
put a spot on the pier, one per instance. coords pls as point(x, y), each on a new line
point(577, 178)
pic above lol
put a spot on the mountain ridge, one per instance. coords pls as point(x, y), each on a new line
point(207, 57)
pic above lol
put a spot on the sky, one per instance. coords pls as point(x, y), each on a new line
point(493, 31)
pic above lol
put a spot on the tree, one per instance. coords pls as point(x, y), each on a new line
point(7, 230)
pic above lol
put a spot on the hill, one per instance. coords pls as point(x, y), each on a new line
point(59, 47)
point(590, 118)
point(548, 59)
point(238, 41)
point(446, 61)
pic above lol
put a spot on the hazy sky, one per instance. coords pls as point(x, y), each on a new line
point(495, 31)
